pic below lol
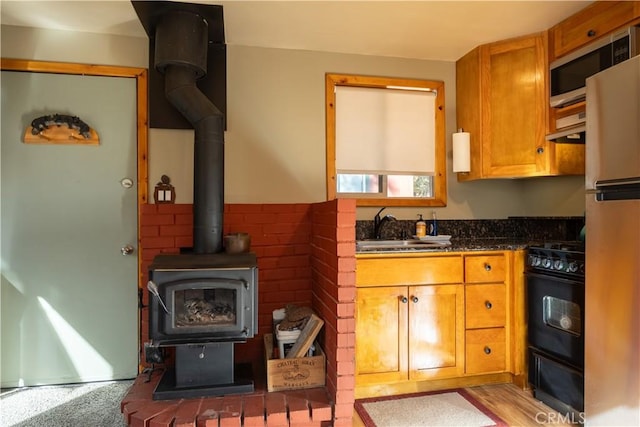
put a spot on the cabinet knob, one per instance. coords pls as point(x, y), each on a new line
point(414, 299)
point(487, 267)
point(540, 150)
point(404, 300)
point(488, 304)
point(591, 33)
point(487, 350)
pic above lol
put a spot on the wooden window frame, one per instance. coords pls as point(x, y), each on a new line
point(440, 177)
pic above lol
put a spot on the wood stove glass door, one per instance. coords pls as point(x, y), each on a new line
point(69, 296)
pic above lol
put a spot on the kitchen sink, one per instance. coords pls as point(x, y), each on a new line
point(372, 245)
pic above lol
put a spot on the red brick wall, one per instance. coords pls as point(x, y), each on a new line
point(280, 238)
point(306, 256)
point(333, 265)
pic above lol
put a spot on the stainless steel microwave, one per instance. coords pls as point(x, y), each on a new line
point(568, 74)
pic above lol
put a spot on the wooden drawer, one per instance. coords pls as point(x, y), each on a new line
point(485, 306)
point(591, 23)
point(408, 271)
point(485, 351)
point(484, 268)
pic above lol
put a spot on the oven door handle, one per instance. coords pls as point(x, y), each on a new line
point(212, 280)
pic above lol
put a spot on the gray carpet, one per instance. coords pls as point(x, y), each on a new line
point(74, 405)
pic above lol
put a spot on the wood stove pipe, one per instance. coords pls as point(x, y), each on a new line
point(181, 55)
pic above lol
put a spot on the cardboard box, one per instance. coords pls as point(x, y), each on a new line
point(296, 373)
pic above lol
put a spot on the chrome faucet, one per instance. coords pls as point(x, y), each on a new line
point(379, 222)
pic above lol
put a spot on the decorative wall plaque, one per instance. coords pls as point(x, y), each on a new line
point(60, 129)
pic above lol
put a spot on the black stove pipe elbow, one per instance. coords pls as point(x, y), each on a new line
point(181, 49)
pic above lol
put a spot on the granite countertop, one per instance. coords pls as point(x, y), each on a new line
point(458, 245)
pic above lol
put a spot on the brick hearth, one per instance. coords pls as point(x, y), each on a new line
point(297, 408)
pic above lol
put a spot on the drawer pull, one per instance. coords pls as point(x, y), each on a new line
point(487, 350)
point(414, 299)
point(488, 305)
point(487, 267)
point(404, 300)
point(591, 33)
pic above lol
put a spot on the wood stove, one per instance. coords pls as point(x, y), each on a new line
point(204, 305)
point(205, 301)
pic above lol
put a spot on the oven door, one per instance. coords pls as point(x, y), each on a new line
point(556, 317)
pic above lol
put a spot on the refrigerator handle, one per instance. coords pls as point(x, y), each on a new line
point(616, 183)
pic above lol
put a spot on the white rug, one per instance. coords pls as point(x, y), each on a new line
point(73, 405)
point(449, 408)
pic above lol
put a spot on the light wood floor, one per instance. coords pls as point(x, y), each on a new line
point(515, 406)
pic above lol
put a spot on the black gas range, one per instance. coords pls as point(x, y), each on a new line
point(555, 276)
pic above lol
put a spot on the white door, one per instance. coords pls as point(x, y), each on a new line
point(69, 296)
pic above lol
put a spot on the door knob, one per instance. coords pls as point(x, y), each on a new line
point(127, 250)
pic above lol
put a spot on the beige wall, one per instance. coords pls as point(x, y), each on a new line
point(70, 46)
point(275, 138)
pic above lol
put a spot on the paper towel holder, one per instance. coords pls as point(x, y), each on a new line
point(461, 151)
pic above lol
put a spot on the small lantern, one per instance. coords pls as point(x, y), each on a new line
point(164, 192)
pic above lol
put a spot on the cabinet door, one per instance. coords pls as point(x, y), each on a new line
point(436, 331)
point(381, 326)
point(515, 107)
point(594, 21)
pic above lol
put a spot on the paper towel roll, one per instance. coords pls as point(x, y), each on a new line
point(461, 152)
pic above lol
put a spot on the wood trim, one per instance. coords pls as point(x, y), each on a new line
point(440, 184)
point(140, 74)
point(330, 145)
point(363, 391)
point(518, 310)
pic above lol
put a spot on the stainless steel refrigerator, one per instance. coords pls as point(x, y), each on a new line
point(612, 289)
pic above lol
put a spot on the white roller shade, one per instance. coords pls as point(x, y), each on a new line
point(385, 131)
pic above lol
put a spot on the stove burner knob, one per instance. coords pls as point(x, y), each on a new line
point(558, 265)
point(573, 267)
point(546, 263)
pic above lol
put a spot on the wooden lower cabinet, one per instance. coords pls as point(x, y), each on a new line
point(436, 331)
point(415, 333)
point(409, 333)
point(381, 335)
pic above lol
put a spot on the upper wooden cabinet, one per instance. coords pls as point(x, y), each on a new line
point(596, 20)
point(502, 100)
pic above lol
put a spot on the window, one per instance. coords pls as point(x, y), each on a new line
point(385, 140)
